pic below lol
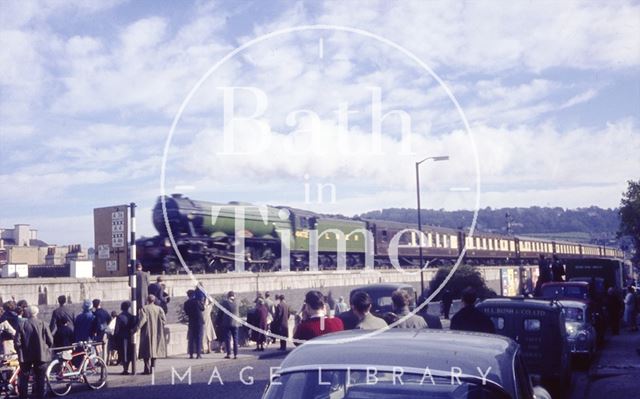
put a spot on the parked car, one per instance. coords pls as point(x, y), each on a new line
point(566, 290)
point(539, 327)
point(381, 296)
point(582, 291)
point(581, 332)
point(404, 364)
point(596, 285)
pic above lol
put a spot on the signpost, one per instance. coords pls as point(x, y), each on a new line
point(111, 226)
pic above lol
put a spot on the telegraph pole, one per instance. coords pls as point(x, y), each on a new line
point(132, 281)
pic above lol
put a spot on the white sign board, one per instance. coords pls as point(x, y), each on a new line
point(117, 229)
point(112, 265)
point(117, 240)
point(103, 251)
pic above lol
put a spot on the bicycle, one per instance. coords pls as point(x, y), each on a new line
point(9, 372)
point(70, 367)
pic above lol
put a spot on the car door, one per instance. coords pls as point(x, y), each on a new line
point(523, 385)
point(528, 327)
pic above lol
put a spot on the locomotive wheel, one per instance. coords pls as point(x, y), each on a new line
point(169, 266)
point(276, 265)
point(197, 267)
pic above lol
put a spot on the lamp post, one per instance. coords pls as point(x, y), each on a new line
point(434, 159)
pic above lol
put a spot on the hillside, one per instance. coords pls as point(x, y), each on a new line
point(583, 224)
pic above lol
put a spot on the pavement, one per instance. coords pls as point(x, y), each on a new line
point(180, 377)
point(616, 371)
point(173, 365)
point(178, 364)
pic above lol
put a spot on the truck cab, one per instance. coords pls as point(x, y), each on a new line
point(539, 327)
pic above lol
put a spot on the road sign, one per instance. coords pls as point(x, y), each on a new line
point(111, 227)
point(103, 252)
point(112, 265)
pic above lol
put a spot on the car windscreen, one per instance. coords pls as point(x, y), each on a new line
point(555, 291)
point(384, 301)
point(342, 384)
point(573, 314)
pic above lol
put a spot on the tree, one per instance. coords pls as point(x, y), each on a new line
point(465, 276)
point(630, 216)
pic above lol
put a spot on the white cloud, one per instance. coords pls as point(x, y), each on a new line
point(526, 159)
point(18, 13)
point(580, 98)
point(497, 36)
point(92, 109)
point(147, 69)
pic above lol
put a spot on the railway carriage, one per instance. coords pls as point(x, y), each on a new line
point(437, 243)
point(209, 235)
point(485, 248)
point(590, 250)
point(530, 249)
point(567, 250)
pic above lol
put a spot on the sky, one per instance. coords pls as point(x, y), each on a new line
point(320, 105)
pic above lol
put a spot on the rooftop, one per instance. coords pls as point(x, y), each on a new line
point(435, 349)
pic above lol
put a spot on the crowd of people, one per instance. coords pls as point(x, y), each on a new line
point(320, 314)
point(317, 318)
point(32, 340)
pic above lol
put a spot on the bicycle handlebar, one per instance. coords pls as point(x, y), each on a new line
point(84, 344)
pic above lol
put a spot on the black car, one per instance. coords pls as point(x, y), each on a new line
point(381, 295)
point(539, 327)
point(404, 364)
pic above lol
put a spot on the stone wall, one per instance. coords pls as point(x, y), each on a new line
point(113, 290)
point(44, 291)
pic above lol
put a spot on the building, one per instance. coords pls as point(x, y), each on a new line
point(21, 235)
point(21, 245)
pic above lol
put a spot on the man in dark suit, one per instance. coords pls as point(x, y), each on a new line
point(157, 289)
point(280, 323)
point(469, 318)
point(350, 320)
point(228, 322)
point(142, 286)
point(61, 316)
point(445, 302)
point(194, 309)
point(102, 320)
point(32, 342)
point(433, 321)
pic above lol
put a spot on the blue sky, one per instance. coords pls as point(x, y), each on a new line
point(89, 89)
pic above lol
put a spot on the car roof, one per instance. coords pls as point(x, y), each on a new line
point(520, 302)
point(570, 303)
point(382, 286)
point(409, 349)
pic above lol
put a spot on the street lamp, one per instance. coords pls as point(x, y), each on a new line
point(434, 159)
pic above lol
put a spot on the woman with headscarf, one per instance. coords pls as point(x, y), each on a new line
point(258, 319)
point(123, 336)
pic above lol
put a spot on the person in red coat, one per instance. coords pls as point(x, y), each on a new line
point(315, 321)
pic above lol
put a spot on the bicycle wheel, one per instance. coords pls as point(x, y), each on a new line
point(59, 384)
point(95, 372)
